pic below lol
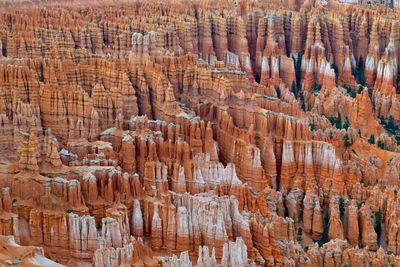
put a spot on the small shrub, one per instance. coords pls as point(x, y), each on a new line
point(338, 122)
point(371, 139)
point(325, 237)
point(297, 68)
point(360, 89)
point(398, 84)
point(341, 207)
point(332, 120)
point(346, 140)
point(335, 69)
point(365, 184)
point(350, 91)
point(278, 91)
point(317, 87)
point(359, 72)
point(346, 124)
point(295, 90)
point(299, 234)
point(301, 97)
point(378, 223)
point(380, 144)
point(391, 127)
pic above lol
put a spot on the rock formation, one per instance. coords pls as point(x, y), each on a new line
point(199, 133)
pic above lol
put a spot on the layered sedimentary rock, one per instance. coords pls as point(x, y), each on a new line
point(191, 133)
point(12, 253)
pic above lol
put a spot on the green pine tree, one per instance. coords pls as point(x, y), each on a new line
point(339, 121)
point(371, 139)
point(346, 140)
point(346, 123)
point(294, 89)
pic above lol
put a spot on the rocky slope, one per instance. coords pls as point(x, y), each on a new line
point(198, 133)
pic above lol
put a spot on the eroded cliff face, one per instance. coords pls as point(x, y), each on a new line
point(184, 133)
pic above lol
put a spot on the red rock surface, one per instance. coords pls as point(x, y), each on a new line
point(198, 133)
